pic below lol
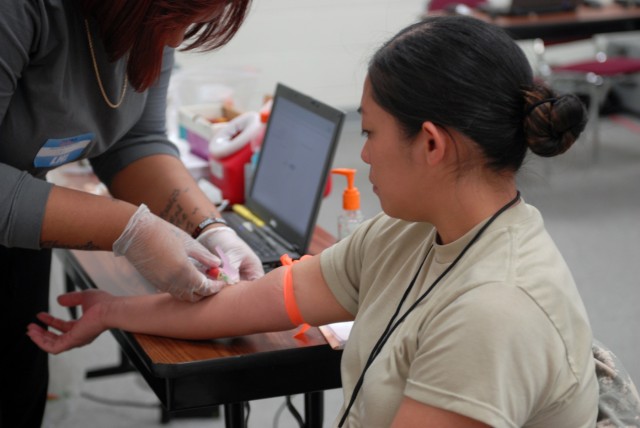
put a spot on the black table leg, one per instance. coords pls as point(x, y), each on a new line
point(124, 366)
point(70, 286)
point(234, 415)
point(314, 409)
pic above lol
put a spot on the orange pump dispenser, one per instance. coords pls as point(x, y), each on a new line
point(351, 195)
point(351, 216)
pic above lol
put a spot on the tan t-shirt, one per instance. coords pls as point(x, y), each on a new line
point(504, 337)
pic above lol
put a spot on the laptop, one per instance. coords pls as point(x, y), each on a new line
point(290, 177)
point(526, 7)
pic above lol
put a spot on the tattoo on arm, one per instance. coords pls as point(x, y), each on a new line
point(178, 217)
point(176, 214)
point(55, 244)
point(173, 200)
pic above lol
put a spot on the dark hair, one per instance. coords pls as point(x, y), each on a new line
point(462, 73)
point(139, 28)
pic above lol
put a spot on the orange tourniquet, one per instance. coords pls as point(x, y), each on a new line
point(290, 304)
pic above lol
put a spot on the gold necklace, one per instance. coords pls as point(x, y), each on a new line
point(123, 92)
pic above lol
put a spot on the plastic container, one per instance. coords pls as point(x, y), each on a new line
point(351, 216)
point(197, 125)
point(206, 84)
point(229, 152)
point(203, 87)
point(265, 112)
point(228, 174)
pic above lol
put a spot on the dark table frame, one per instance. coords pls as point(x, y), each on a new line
point(239, 370)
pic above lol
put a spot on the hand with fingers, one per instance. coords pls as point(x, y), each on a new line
point(165, 255)
point(239, 254)
point(74, 333)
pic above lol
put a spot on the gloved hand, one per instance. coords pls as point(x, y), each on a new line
point(242, 258)
point(163, 254)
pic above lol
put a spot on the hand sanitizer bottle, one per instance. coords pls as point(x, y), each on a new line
point(351, 216)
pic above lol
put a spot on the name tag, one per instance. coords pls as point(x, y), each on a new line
point(58, 151)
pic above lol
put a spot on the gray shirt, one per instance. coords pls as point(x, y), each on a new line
point(52, 112)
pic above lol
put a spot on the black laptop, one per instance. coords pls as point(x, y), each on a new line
point(290, 177)
point(526, 7)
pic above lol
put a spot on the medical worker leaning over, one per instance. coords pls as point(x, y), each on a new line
point(466, 314)
point(88, 79)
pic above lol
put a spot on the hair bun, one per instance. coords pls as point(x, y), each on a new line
point(552, 123)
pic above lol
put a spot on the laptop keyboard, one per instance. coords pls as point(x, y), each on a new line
point(263, 250)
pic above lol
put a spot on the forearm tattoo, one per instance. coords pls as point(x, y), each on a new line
point(175, 212)
point(55, 244)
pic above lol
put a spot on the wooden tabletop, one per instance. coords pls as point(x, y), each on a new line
point(104, 271)
point(190, 374)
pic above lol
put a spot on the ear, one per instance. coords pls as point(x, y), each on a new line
point(434, 141)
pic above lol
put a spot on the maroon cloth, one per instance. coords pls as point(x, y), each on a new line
point(610, 67)
point(442, 4)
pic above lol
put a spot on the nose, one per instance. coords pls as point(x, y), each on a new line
point(364, 153)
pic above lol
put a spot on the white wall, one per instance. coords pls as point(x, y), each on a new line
point(319, 47)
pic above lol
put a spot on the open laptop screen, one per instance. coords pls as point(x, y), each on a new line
point(295, 159)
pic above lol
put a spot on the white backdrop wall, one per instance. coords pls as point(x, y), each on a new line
point(319, 47)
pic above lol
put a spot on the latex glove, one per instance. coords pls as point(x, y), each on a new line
point(242, 258)
point(73, 333)
point(163, 254)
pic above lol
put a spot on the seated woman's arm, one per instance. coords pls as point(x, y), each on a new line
point(240, 309)
point(413, 413)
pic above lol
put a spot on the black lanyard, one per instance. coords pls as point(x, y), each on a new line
point(392, 325)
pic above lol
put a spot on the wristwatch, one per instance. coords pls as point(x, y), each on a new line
point(207, 222)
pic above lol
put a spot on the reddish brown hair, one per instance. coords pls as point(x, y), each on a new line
point(141, 28)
